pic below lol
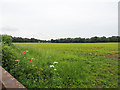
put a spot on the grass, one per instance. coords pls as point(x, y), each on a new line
point(80, 65)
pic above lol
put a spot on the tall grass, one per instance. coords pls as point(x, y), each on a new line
point(79, 65)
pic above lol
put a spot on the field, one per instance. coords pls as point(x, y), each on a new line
point(66, 65)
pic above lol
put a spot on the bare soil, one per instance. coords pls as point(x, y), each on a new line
point(115, 55)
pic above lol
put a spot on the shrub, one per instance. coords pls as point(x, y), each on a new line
point(8, 54)
point(6, 39)
point(8, 57)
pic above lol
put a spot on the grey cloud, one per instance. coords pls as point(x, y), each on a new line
point(46, 19)
point(7, 28)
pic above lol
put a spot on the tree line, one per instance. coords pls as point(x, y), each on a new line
point(20, 39)
point(69, 40)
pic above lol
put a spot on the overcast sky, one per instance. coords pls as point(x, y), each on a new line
point(47, 19)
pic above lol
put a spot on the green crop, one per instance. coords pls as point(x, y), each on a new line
point(75, 65)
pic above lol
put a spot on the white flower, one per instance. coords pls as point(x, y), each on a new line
point(33, 65)
point(54, 69)
point(55, 62)
point(17, 60)
point(32, 58)
point(51, 65)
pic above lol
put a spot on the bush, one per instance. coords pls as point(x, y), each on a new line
point(8, 57)
point(8, 53)
point(6, 39)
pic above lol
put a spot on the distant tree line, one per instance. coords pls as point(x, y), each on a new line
point(87, 40)
point(70, 40)
point(20, 39)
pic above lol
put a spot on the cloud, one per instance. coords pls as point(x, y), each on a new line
point(33, 1)
point(8, 28)
point(46, 19)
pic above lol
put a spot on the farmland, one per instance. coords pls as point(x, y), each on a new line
point(66, 65)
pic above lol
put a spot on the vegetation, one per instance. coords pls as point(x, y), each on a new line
point(79, 65)
point(87, 40)
point(6, 40)
point(71, 40)
point(62, 65)
point(8, 54)
point(20, 39)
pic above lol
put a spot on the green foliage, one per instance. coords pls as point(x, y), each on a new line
point(8, 57)
point(71, 40)
point(0, 52)
point(6, 39)
point(79, 65)
point(20, 39)
point(87, 40)
point(8, 53)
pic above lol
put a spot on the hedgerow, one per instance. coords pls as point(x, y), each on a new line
point(8, 53)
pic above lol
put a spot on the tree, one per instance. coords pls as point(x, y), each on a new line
point(70, 40)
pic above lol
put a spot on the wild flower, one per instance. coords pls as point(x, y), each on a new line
point(32, 58)
point(33, 65)
point(55, 62)
point(54, 69)
point(23, 51)
point(51, 65)
point(17, 60)
point(44, 79)
point(29, 59)
point(26, 50)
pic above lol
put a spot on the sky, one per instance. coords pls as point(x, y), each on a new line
point(53, 19)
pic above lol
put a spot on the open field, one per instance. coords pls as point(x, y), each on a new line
point(80, 65)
